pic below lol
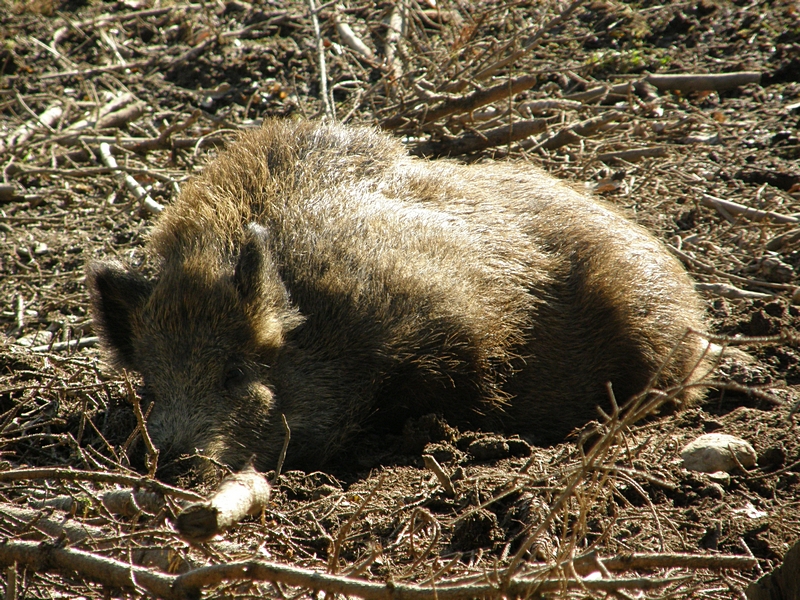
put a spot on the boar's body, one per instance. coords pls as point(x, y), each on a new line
point(318, 272)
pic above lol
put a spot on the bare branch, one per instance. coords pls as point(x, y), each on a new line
point(462, 104)
point(433, 464)
point(98, 477)
point(396, 27)
point(633, 155)
point(240, 494)
point(475, 141)
point(323, 71)
point(700, 82)
point(753, 214)
point(133, 186)
point(108, 571)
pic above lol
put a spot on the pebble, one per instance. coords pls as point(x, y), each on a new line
point(714, 452)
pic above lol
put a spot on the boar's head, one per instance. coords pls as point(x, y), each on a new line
point(203, 336)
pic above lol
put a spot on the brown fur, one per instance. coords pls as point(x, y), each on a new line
point(319, 272)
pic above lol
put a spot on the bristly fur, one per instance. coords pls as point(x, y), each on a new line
point(319, 272)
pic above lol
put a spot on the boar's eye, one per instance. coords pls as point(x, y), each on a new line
point(234, 377)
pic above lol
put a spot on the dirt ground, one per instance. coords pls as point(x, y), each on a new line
point(710, 166)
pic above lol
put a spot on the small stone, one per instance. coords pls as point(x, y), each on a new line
point(716, 451)
point(720, 477)
point(40, 338)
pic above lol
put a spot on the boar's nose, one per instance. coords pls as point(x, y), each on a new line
point(172, 465)
point(173, 460)
point(168, 472)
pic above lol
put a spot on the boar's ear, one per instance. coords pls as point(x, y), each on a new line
point(116, 294)
point(255, 271)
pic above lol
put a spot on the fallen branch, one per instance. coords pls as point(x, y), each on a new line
point(350, 38)
point(133, 186)
point(701, 82)
point(444, 480)
point(589, 562)
point(190, 583)
point(572, 134)
point(333, 559)
point(134, 144)
point(780, 241)
point(143, 64)
point(84, 342)
point(111, 572)
point(42, 557)
point(529, 44)
point(287, 436)
point(463, 104)
point(34, 522)
point(728, 291)
point(633, 155)
point(396, 26)
point(190, 54)
point(47, 119)
point(107, 18)
point(601, 92)
point(43, 526)
point(475, 141)
point(323, 71)
point(115, 104)
point(537, 107)
point(98, 477)
point(122, 117)
point(752, 214)
point(690, 261)
point(151, 452)
point(130, 503)
point(240, 494)
point(271, 19)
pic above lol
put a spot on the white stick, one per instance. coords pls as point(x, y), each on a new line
point(137, 190)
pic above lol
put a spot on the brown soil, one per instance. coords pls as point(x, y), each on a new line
point(61, 206)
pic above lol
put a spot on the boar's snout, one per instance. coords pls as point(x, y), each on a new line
point(215, 426)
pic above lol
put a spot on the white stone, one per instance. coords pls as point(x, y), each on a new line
point(716, 451)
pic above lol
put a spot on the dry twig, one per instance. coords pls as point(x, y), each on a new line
point(753, 214)
point(633, 155)
point(323, 71)
point(463, 104)
point(98, 477)
point(444, 480)
point(395, 27)
point(133, 186)
point(47, 119)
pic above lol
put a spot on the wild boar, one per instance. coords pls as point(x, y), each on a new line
point(318, 272)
